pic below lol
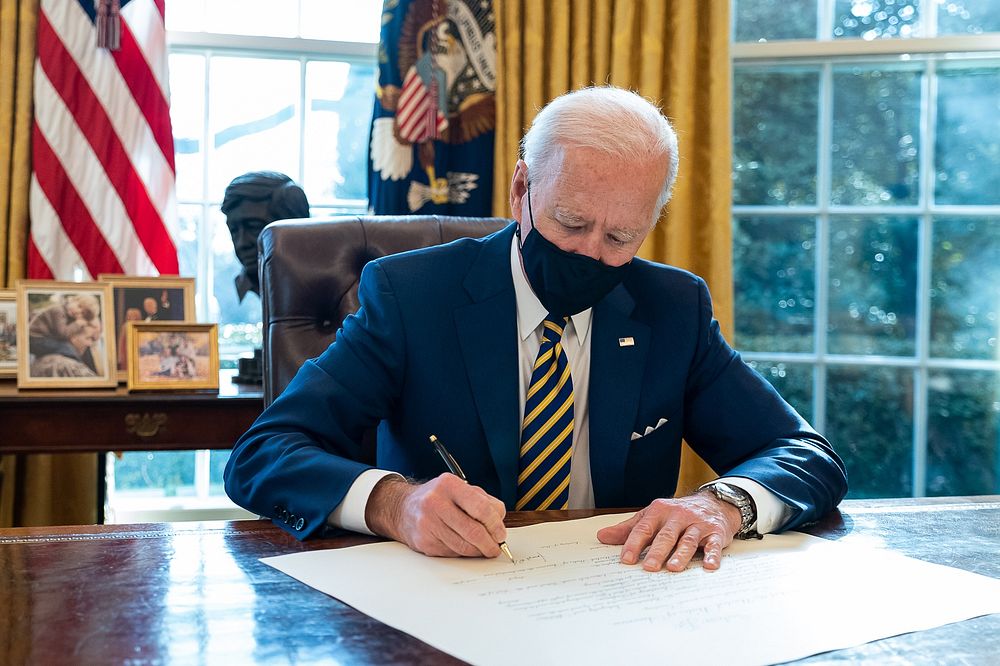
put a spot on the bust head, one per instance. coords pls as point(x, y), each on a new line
point(252, 201)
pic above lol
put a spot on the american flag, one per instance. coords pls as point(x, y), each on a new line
point(102, 187)
point(418, 114)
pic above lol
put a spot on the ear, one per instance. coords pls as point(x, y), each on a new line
point(518, 189)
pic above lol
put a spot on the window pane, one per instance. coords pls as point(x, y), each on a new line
point(356, 21)
point(188, 219)
point(254, 121)
point(876, 129)
point(968, 17)
point(266, 18)
point(794, 381)
point(217, 465)
point(775, 19)
point(187, 117)
point(185, 15)
point(155, 473)
point(869, 416)
point(873, 285)
point(965, 287)
point(339, 99)
point(876, 19)
point(967, 152)
point(963, 433)
point(771, 106)
point(774, 276)
point(239, 322)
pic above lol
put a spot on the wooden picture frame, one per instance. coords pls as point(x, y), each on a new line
point(172, 356)
point(8, 333)
point(65, 336)
point(171, 298)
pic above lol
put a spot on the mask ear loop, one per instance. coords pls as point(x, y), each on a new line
point(517, 230)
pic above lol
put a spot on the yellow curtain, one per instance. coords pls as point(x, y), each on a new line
point(36, 489)
point(675, 53)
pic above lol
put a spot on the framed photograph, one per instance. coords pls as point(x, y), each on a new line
point(8, 332)
point(147, 299)
point(172, 355)
point(65, 336)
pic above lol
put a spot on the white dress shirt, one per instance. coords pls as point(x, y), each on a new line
point(350, 513)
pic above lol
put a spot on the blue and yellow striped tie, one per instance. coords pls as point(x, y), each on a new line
point(547, 430)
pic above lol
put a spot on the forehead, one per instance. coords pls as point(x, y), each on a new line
point(588, 184)
point(247, 210)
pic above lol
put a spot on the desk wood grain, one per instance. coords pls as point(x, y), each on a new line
point(196, 593)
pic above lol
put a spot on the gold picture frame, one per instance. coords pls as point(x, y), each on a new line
point(64, 339)
point(170, 356)
point(8, 333)
point(172, 299)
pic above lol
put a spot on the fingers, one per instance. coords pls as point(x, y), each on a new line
point(645, 530)
point(446, 517)
point(485, 509)
point(671, 532)
point(465, 535)
point(712, 547)
point(667, 541)
point(615, 535)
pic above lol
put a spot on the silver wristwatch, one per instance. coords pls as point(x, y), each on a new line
point(742, 500)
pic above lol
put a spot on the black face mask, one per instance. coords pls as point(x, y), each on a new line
point(564, 282)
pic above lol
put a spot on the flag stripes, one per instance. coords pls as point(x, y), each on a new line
point(103, 193)
point(78, 224)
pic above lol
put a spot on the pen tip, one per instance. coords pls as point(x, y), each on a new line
point(506, 551)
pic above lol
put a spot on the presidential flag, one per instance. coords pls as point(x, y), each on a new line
point(102, 186)
point(433, 124)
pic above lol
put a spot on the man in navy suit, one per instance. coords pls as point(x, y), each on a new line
point(445, 343)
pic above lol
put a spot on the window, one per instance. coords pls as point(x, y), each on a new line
point(255, 85)
point(866, 230)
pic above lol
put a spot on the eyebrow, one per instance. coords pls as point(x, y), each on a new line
point(563, 215)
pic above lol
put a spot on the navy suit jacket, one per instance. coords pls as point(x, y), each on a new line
point(433, 349)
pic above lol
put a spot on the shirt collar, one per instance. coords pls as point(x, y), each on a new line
point(530, 311)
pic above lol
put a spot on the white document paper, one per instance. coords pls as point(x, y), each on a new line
point(568, 599)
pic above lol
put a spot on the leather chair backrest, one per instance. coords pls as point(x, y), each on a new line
point(309, 273)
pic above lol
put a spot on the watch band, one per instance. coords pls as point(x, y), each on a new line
point(743, 501)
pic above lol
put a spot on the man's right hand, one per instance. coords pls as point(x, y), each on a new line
point(444, 517)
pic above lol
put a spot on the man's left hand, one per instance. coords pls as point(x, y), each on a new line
point(679, 526)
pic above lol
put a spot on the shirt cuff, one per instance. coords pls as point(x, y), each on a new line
point(350, 513)
point(772, 513)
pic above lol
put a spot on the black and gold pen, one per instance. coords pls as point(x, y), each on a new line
point(455, 469)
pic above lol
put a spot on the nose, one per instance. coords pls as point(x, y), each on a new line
point(243, 239)
point(589, 245)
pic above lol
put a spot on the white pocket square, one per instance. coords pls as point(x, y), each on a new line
point(649, 429)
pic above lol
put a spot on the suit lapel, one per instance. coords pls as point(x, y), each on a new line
point(487, 331)
point(616, 373)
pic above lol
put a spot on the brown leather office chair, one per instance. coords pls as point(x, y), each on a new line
point(309, 272)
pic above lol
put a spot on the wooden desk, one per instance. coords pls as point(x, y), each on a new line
point(94, 420)
point(196, 593)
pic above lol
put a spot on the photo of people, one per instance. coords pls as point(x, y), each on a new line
point(147, 299)
point(8, 333)
point(67, 335)
point(178, 355)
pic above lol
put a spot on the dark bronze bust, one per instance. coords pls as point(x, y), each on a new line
point(252, 201)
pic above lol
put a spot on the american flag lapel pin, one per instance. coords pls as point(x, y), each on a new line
point(626, 342)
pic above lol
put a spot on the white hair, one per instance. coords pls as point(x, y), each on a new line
point(619, 123)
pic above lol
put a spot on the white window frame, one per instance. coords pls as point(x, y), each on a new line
point(826, 54)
